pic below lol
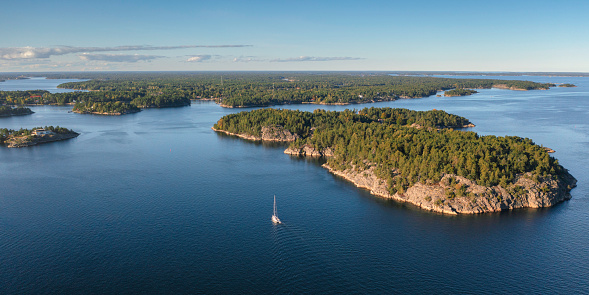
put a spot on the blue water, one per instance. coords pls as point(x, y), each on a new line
point(35, 83)
point(156, 202)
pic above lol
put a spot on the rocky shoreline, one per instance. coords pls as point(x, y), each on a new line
point(24, 141)
point(503, 86)
point(441, 197)
point(269, 133)
point(107, 114)
point(452, 195)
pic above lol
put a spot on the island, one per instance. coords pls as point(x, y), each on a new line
point(37, 135)
point(459, 92)
point(433, 167)
point(7, 111)
point(567, 85)
point(253, 89)
point(108, 108)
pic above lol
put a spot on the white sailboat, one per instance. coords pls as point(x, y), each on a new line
point(275, 218)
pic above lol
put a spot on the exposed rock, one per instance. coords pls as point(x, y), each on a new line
point(23, 141)
point(278, 133)
point(309, 151)
point(269, 133)
point(452, 195)
point(442, 197)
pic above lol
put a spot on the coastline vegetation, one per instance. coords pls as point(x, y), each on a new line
point(459, 92)
point(6, 111)
point(7, 134)
point(252, 89)
point(402, 155)
point(105, 108)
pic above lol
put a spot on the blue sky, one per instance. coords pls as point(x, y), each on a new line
point(391, 35)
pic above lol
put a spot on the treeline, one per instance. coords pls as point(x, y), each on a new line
point(10, 111)
point(459, 92)
point(105, 107)
point(433, 118)
point(232, 89)
point(143, 99)
point(403, 156)
point(6, 133)
point(263, 89)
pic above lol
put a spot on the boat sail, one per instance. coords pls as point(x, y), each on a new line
point(275, 218)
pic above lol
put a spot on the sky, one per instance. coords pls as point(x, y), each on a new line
point(197, 35)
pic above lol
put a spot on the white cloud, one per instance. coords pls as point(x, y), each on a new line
point(315, 58)
point(246, 59)
point(118, 57)
point(11, 53)
point(199, 58)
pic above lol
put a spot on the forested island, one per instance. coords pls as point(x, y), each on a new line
point(459, 92)
point(7, 111)
point(236, 90)
point(111, 108)
point(434, 167)
point(265, 89)
point(567, 85)
point(28, 137)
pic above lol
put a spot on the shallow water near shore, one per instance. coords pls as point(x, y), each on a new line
point(157, 202)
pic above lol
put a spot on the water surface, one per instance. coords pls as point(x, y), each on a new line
point(156, 202)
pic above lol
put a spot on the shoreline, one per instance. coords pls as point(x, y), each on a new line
point(105, 114)
point(443, 197)
point(23, 141)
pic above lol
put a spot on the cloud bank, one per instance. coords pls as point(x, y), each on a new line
point(247, 59)
point(315, 58)
point(118, 57)
point(15, 53)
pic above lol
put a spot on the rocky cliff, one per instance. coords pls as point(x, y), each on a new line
point(458, 195)
point(268, 133)
point(452, 195)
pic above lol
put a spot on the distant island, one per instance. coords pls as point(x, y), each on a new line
point(567, 85)
point(7, 111)
point(244, 90)
point(433, 167)
point(109, 108)
point(104, 103)
point(459, 92)
point(37, 135)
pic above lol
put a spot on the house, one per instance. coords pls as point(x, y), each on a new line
point(42, 132)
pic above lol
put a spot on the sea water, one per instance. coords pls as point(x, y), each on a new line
point(156, 202)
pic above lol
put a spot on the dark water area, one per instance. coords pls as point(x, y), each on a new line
point(156, 202)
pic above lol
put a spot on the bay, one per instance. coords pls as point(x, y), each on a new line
point(156, 202)
point(36, 83)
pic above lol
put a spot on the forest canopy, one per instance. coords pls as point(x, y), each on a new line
point(404, 155)
point(232, 89)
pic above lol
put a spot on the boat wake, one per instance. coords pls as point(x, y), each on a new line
point(302, 258)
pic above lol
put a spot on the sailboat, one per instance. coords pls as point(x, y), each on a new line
point(275, 218)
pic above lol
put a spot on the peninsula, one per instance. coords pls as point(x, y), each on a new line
point(433, 167)
point(37, 135)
